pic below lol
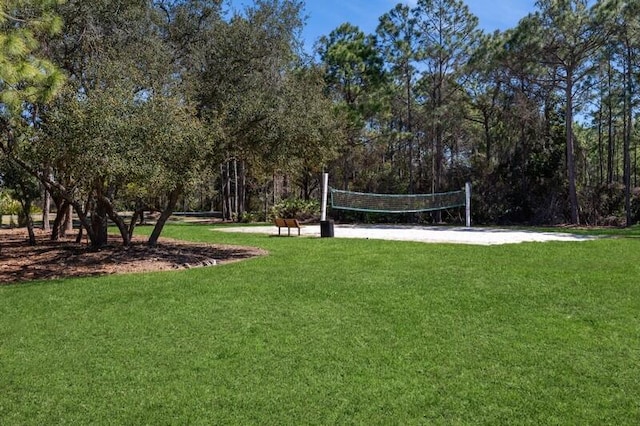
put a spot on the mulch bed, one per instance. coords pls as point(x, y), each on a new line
point(20, 262)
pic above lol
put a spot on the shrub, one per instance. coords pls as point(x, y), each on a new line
point(249, 217)
point(296, 208)
point(8, 205)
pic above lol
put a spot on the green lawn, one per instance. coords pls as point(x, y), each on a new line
point(334, 331)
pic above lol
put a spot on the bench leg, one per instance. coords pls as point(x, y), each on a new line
point(298, 231)
point(288, 231)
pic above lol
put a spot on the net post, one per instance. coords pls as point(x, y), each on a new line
point(325, 190)
point(467, 204)
point(326, 226)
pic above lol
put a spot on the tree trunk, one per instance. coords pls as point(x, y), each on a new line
point(628, 125)
point(80, 234)
point(410, 130)
point(138, 214)
point(57, 222)
point(438, 170)
point(223, 201)
point(306, 177)
point(266, 201)
point(115, 218)
point(164, 216)
point(243, 186)
point(99, 226)
point(46, 209)
point(26, 211)
point(571, 164)
point(275, 189)
point(68, 220)
point(63, 194)
point(487, 137)
point(611, 141)
point(600, 150)
point(85, 222)
point(235, 188)
point(227, 191)
point(64, 220)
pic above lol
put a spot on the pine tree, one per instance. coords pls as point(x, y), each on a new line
point(25, 76)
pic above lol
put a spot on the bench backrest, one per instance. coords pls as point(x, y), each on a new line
point(289, 223)
point(292, 223)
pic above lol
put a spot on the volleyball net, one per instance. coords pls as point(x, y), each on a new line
point(401, 203)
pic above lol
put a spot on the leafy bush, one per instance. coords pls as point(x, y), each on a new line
point(296, 208)
point(604, 205)
point(249, 217)
point(8, 205)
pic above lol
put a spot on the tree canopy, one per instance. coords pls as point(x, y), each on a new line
point(118, 108)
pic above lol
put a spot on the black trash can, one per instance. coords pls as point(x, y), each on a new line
point(326, 228)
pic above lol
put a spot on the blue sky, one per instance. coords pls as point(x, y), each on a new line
point(326, 15)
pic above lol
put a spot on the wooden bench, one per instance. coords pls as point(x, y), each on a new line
point(287, 223)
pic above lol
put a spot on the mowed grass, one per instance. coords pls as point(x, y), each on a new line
point(334, 331)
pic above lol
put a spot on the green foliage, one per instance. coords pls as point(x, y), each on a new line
point(353, 74)
point(23, 188)
point(8, 205)
point(123, 131)
point(163, 97)
point(605, 205)
point(296, 208)
point(25, 76)
point(249, 217)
